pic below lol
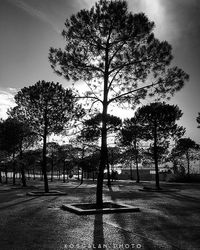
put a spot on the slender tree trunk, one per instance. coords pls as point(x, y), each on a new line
point(63, 171)
point(14, 169)
point(59, 174)
point(93, 176)
point(188, 163)
point(6, 174)
point(104, 150)
point(156, 158)
point(23, 176)
point(136, 162)
point(41, 174)
point(82, 173)
point(28, 172)
point(44, 160)
point(67, 173)
point(108, 174)
point(137, 170)
point(78, 173)
point(33, 172)
point(131, 171)
point(52, 168)
point(103, 160)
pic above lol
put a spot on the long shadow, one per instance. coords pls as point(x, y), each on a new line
point(131, 237)
point(98, 236)
point(17, 203)
point(146, 239)
point(183, 197)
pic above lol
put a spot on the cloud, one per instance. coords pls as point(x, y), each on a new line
point(6, 101)
point(35, 13)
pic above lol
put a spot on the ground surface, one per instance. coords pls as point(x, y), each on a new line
point(168, 220)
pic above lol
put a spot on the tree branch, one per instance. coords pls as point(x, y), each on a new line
point(132, 91)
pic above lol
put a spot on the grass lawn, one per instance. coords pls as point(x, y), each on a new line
point(167, 220)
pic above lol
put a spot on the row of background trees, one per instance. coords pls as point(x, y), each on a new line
point(154, 123)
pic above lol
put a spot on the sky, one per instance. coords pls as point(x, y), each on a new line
point(28, 28)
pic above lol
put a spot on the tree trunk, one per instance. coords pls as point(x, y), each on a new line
point(131, 171)
point(29, 174)
point(33, 172)
point(136, 163)
point(103, 160)
point(23, 176)
point(78, 173)
point(14, 168)
point(6, 174)
point(59, 173)
point(67, 174)
point(63, 171)
point(156, 158)
point(41, 174)
point(93, 177)
point(82, 176)
point(188, 163)
point(52, 168)
point(44, 160)
point(137, 170)
point(104, 150)
point(108, 174)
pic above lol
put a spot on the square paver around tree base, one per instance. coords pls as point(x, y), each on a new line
point(149, 189)
point(42, 193)
point(90, 208)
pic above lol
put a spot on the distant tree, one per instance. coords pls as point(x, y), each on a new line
point(52, 150)
point(66, 155)
point(159, 125)
point(3, 158)
point(131, 134)
point(47, 107)
point(116, 53)
point(15, 136)
point(185, 146)
point(86, 144)
point(92, 131)
point(92, 126)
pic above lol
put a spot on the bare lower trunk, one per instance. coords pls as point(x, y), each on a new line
point(23, 176)
point(156, 159)
point(44, 165)
point(131, 171)
point(108, 174)
point(137, 169)
point(104, 151)
point(14, 169)
point(78, 173)
point(64, 171)
point(6, 174)
point(82, 173)
point(188, 163)
point(52, 169)
point(102, 165)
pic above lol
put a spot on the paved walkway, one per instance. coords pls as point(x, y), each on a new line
point(167, 220)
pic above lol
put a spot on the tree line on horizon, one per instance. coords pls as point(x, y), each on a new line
point(117, 55)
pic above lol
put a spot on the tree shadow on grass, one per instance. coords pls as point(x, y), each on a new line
point(98, 236)
point(17, 203)
point(162, 224)
point(130, 238)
